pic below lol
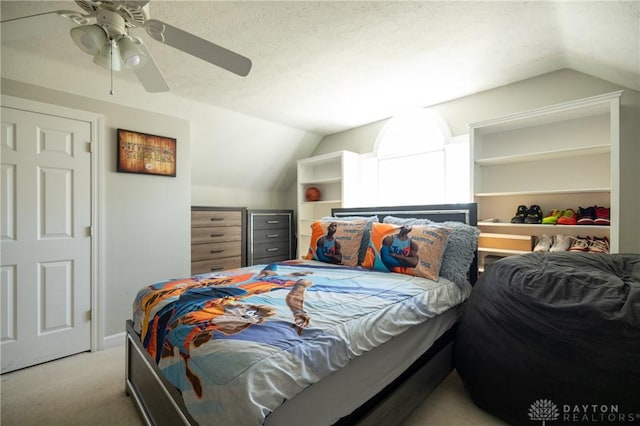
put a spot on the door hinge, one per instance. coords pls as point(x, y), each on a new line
point(89, 231)
point(89, 147)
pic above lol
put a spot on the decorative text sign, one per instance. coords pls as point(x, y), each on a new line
point(143, 153)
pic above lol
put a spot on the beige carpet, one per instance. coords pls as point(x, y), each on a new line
point(88, 390)
point(84, 389)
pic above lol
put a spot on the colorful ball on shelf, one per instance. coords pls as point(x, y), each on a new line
point(312, 194)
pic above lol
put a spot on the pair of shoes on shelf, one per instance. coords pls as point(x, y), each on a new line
point(603, 216)
point(599, 245)
point(587, 216)
point(568, 217)
point(521, 214)
point(561, 243)
point(594, 216)
point(580, 244)
point(552, 217)
point(591, 245)
point(529, 215)
point(543, 243)
point(558, 243)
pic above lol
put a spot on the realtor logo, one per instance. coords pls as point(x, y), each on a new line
point(543, 410)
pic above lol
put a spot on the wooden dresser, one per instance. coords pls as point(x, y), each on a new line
point(218, 238)
point(269, 236)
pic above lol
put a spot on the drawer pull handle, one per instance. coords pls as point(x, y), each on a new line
point(217, 251)
point(217, 235)
point(272, 249)
point(273, 222)
point(217, 218)
point(273, 235)
point(217, 269)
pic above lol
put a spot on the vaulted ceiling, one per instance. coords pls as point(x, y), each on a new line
point(326, 66)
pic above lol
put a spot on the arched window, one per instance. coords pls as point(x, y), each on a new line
point(419, 162)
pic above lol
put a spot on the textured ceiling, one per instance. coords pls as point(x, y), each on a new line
point(333, 65)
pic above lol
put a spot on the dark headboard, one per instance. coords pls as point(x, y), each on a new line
point(464, 212)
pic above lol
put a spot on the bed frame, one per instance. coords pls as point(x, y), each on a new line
point(159, 403)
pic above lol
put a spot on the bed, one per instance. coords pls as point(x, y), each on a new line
point(385, 346)
point(554, 337)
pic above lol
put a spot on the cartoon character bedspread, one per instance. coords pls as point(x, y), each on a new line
point(238, 343)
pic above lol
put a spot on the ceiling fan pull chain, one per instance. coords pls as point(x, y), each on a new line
point(111, 65)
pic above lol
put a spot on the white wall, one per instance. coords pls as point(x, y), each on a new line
point(239, 160)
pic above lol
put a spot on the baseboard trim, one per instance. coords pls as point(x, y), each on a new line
point(114, 340)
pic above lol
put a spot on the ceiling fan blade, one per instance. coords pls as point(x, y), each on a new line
point(149, 74)
point(198, 47)
point(137, 3)
point(42, 23)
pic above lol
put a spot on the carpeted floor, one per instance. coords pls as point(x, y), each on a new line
point(88, 390)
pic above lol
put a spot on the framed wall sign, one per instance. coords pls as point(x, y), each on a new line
point(144, 153)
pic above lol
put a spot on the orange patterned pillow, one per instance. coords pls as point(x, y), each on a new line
point(412, 250)
point(336, 241)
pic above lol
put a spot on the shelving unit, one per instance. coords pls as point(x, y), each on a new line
point(335, 175)
point(558, 157)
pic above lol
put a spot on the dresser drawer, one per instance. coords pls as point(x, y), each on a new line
point(271, 249)
point(270, 235)
point(270, 221)
point(212, 234)
point(215, 250)
point(216, 218)
point(214, 265)
point(271, 259)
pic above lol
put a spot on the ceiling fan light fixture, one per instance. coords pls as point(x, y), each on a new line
point(109, 57)
point(89, 38)
point(132, 54)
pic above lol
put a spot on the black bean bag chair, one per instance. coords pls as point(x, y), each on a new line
point(554, 337)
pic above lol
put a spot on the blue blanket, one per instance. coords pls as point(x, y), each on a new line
point(238, 343)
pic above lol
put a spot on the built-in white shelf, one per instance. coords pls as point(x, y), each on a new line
point(543, 192)
point(501, 251)
point(321, 181)
point(546, 155)
point(541, 226)
point(308, 203)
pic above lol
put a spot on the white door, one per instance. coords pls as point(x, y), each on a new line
point(45, 299)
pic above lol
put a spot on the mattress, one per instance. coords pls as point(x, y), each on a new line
point(263, 337)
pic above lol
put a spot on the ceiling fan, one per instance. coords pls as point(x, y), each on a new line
point(104, 33)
